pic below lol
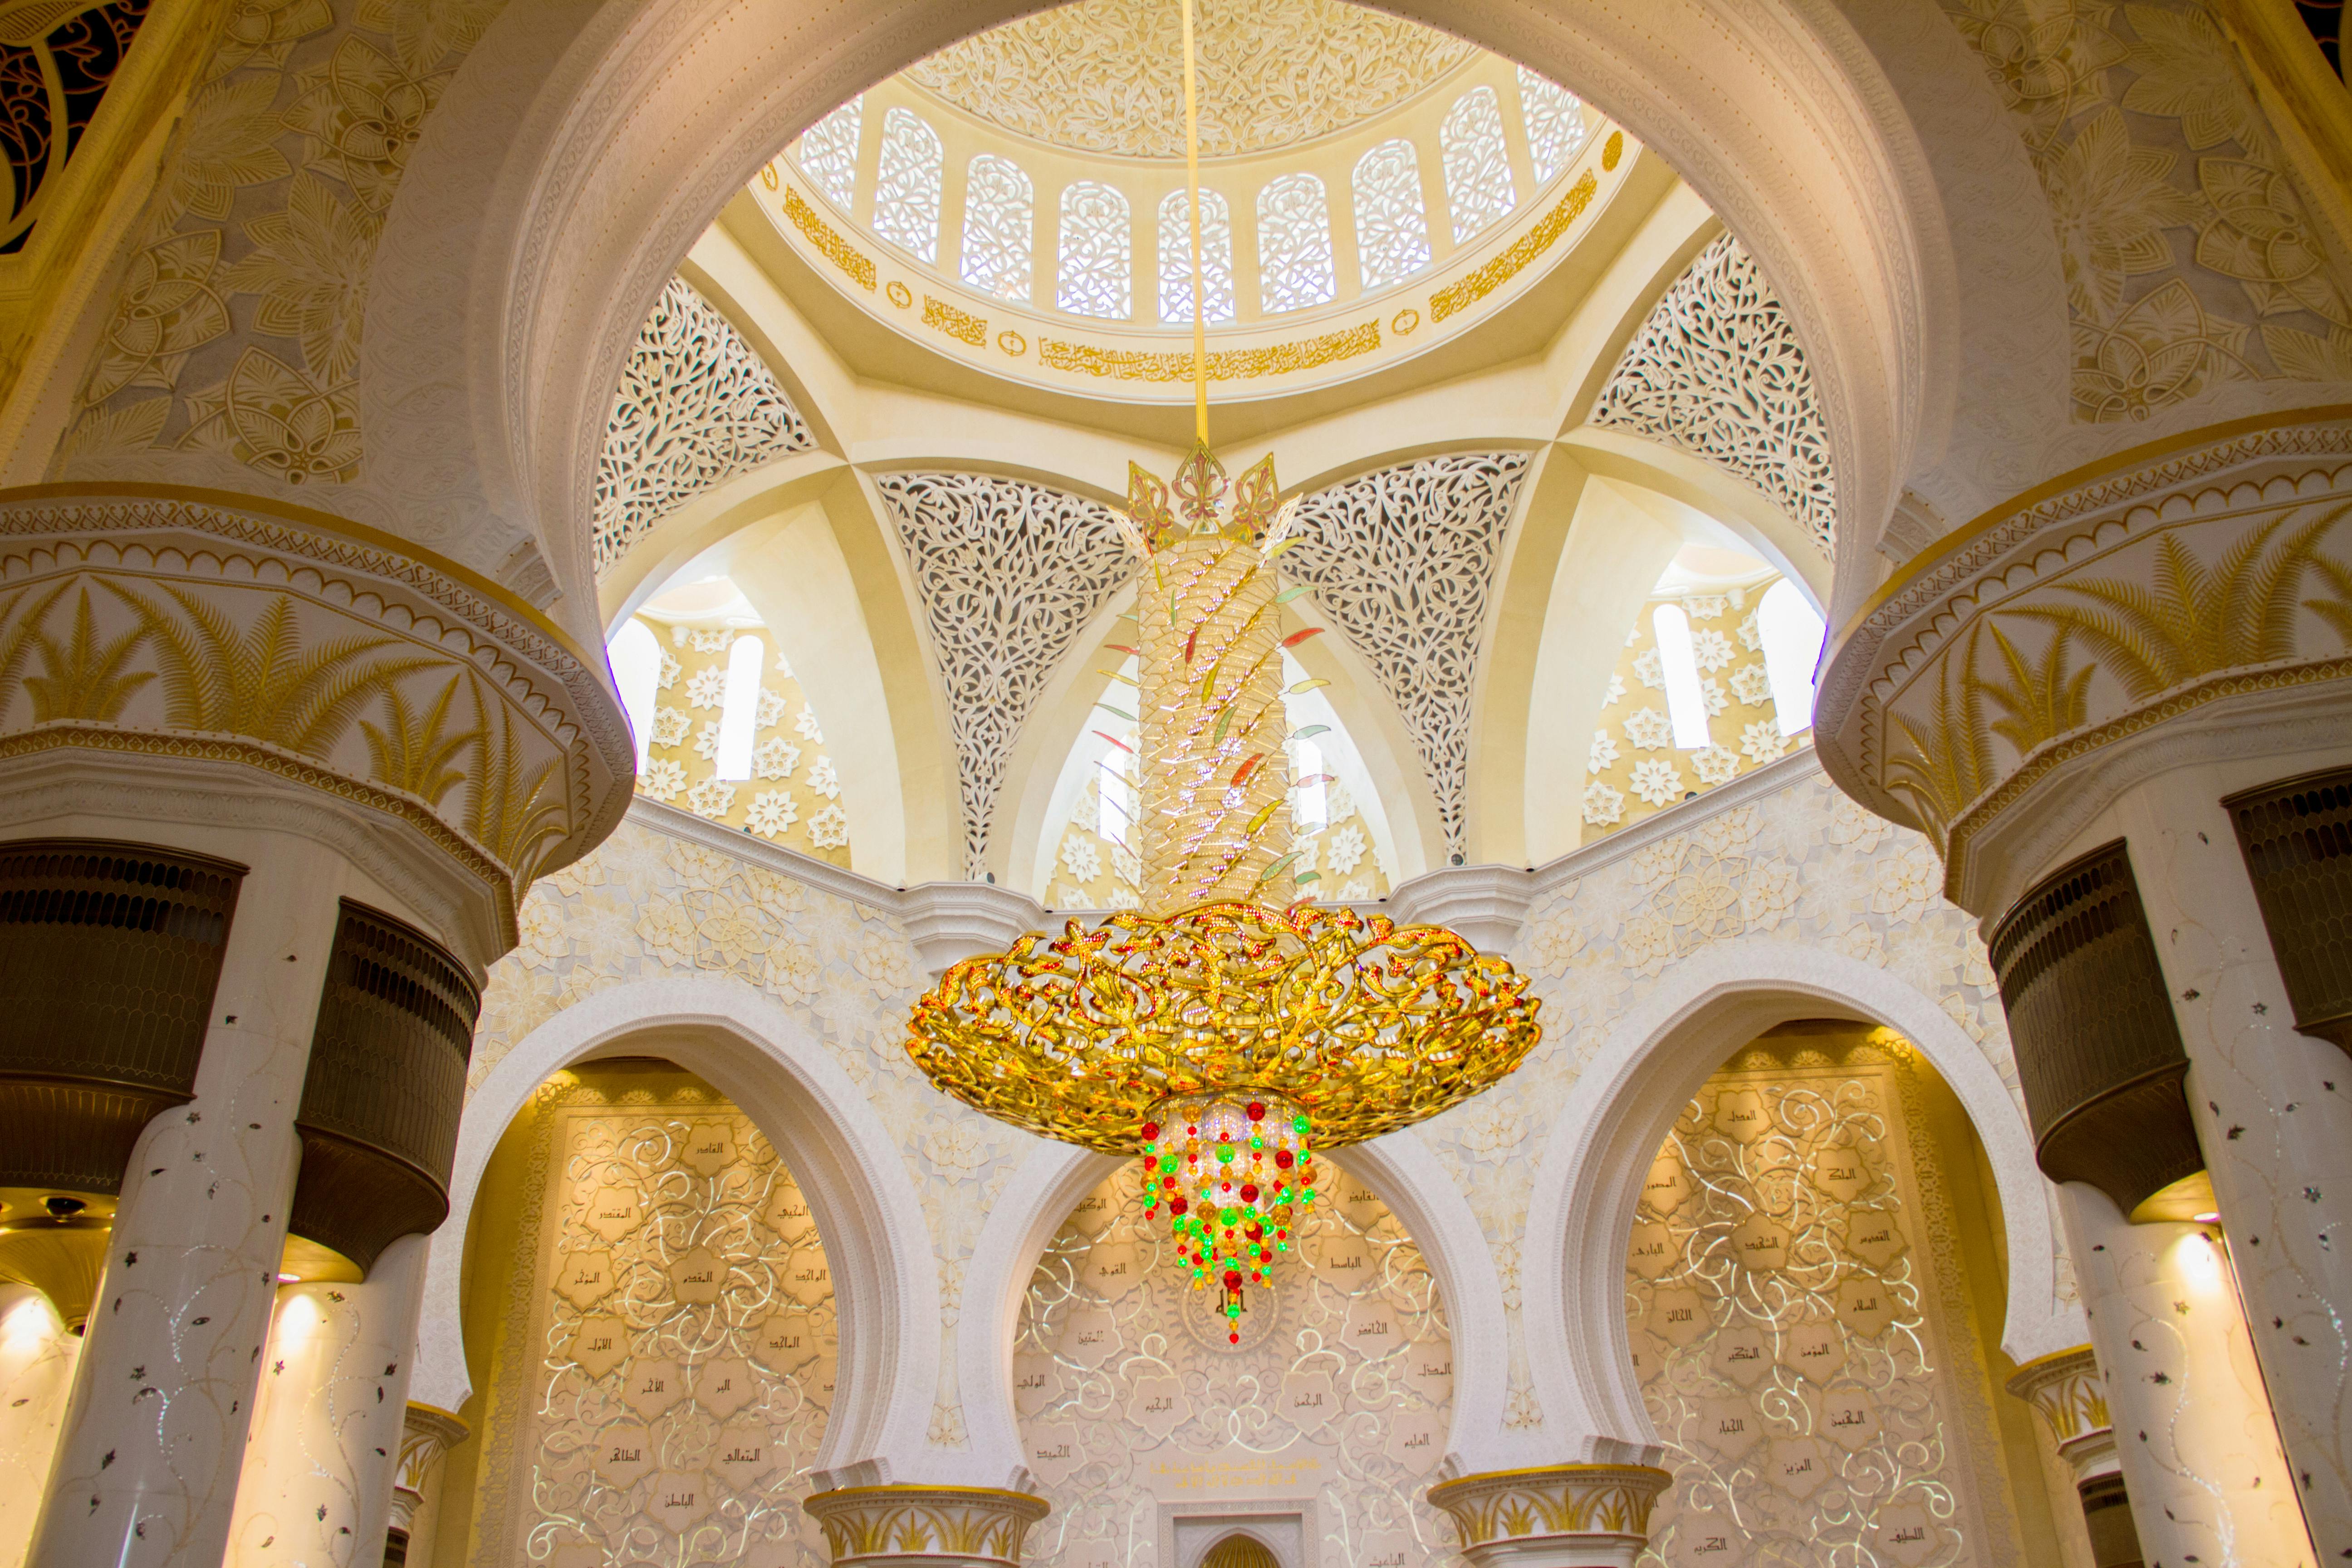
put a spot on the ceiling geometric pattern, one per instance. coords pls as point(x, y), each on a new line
point(696, 407)
point(1009, 574)
point(1717, 371)
point(1403, 562)
point(1106, 76)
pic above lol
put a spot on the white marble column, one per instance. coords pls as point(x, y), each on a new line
point(2273, 1113)
point(155, 1434)
point(37, 1362)
point(2200, 1456)
point(327, 1424)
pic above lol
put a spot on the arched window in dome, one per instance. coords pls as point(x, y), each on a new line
point(999, 214)
point(1096, 276)
point(1293, 245)
point(1791, 634)
point(906, 186)
point(1176, 257)
point(828, 153)
point(1555, 119)
point(1391, 223)
point(1478, 189)
point(636, 660)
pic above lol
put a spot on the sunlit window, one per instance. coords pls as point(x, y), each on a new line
point(1117, 793)
point(636, 671)
point(1293, 245)
point(1313, 801)
point(1097, 273)
point(1555, 119)
point(738, 707)
point(1391, 223)
point(828, 153)
point(1176, 257)
point(907, 185)
point(1478, 189)
point(999, 211)
point(1791, 634)
point(1686, 701)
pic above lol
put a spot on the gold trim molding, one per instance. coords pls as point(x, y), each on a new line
point(1225, 365)
point(1593, 1508)
point(1460, 296)
point(903, 1525)
point(2067, 1391)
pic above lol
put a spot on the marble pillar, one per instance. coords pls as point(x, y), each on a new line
point(426, 1436)
point(147, 1467)
point(2273, 1113)
point(37, 1362)
point(2193, 1435)
point(1554, 1516)
point(2068, 1393)
point(320, 1465)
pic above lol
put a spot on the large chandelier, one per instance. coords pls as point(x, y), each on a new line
point(1223, 1031)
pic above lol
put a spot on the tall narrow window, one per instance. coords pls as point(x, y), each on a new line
point(738, 707)
point(1314, 800)
point(1478, 189)
point(1293, 245)
point(999, 210)
point(1555, 119)
point(636, 671)
point(1176, 257)
point(1686, 701)
point(1118, 791)
point(1392, 224)
point(1791, 634)
point(828, 153)
point(1096, 259)
point(907, 185)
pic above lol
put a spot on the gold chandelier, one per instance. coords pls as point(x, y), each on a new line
point(1224, 1031)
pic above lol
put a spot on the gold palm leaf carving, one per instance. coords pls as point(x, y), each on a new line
point(414, 750)
point(2194, 619)
point(84, 679)
point(17, 644)
point(2038, 702)
point(1950, 763)
point(2336, 609)
point(512, 814)
point(260, 682)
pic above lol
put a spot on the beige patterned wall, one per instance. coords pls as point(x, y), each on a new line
point(1131, 1398)
point(794, 796)
point(1633, 768)
point(2191, 257)
point(665, 1336)
point(1801, 1324)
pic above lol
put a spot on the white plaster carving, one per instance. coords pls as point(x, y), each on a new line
point(1108, 76)
point(1293, 245)
point(1478, 188)
point(1403, 562)
point(1094, 275)
point(999, 211)
point(1717, 372)
point(696, 405)
point(1392, 227)
point(1008, 573)
point(1555, 119)
point(907, 185)
point(828, 153)
point(1176, 257)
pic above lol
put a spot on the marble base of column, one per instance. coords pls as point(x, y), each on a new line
point(2195, 1442)
point(1554, 1516)
point(2066, 1390)
point(924, 1527)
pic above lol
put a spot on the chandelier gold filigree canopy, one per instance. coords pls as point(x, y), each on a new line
point(1224, 1031)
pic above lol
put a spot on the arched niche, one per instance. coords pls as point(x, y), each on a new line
point(826, 1133)
point(1610, 1129)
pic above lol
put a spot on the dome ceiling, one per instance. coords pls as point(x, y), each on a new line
point(1105, 77)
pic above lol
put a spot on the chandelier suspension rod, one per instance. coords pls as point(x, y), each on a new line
point(1192, 173)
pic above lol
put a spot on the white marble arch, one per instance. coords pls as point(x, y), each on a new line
point(1609, 1131)
point(581, 150)
point(1401, 1172)
point(869, 1217)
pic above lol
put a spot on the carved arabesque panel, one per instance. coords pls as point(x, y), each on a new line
point(696, 407)
point(1403, 562)
point(1717, 372)
point(1008, 573)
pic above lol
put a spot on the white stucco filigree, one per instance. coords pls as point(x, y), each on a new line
point(696, 405)
point(1403, 561)
point(1717, 372)
point(1008, 574)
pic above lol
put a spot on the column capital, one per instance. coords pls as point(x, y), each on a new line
point(1590, 1515)
point(214, 634)
point(924, 1527)
point(2066, 1388)
point(2027, 668)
